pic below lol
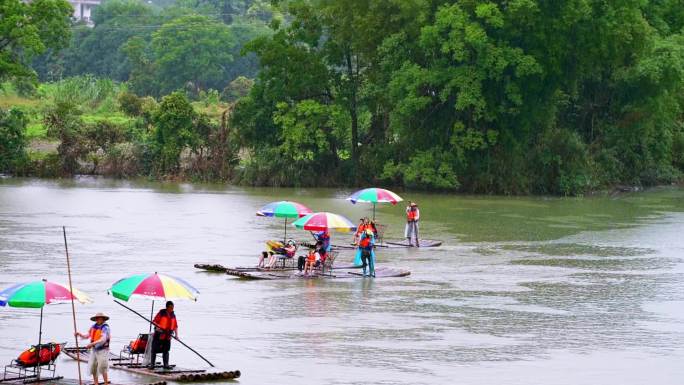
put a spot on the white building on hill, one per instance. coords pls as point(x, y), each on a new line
point(83, 9)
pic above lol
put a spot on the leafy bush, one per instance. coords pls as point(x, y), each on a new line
point(12, 140)
point(130, 104)
point(562, 163)
point(64, 123)
point(237, 89)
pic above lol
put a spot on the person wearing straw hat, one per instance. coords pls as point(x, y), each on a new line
point(99, 336)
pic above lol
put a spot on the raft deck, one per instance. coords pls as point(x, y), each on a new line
point(216, 268)
point(422, 243)
point(174, 374)
point(344, 274)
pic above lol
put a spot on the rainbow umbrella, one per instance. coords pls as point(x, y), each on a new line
point(375, 195)
point(324, 221)
point(284, 209)
point(37, 294)
point(155, 287)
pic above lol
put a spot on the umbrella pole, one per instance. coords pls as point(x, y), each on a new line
point(40, 340)
point(151, 317)
point(285, 237)
point(73, 308)
point(373, 212)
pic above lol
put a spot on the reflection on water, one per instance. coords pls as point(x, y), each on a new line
point(525, 290)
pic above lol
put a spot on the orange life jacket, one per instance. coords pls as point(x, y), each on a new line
point(139, 345)
point(166, 322)
point(48, 353)
point(365, 241)
point(96, 333)
point(411, 214)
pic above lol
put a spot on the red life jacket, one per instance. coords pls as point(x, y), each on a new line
point(166, 322)
point(365, 241)
point(411, 214)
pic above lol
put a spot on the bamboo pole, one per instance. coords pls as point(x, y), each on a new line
point(73, 307)
point(40, 338)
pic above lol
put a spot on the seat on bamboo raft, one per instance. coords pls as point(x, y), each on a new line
point(135, 349)
point(327, 265)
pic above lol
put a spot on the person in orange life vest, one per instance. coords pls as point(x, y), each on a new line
point(165, 326)
point(99, 336)
point(365, 255)
point(360, 229)
point(412, 218)
point(311, 260)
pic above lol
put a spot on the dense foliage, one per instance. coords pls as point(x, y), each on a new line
point(28, 29)
point(487, 96)
point(12, 138)
point(193, 44)
point(505, 96)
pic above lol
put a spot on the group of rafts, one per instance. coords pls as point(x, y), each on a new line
point(38, 363)
point(322, 223)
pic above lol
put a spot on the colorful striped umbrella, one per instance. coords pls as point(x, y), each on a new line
point(284, 209)
point(153, 286)
point(37, 294)
point(324, 221)
point(375, 195)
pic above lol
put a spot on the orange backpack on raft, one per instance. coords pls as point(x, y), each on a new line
point(139, 345)
point(48, 353)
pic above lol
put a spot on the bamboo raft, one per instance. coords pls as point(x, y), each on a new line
point(422, 243)
point(32, 379)
point(173, 374)
point(337, 273)
point(217, 268)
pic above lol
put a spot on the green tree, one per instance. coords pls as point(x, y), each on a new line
point(64, 123)
point(174, 130)
point(28, 29)
point(192, 49)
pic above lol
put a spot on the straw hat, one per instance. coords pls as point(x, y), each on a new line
point(413, 204)
point(98, 315)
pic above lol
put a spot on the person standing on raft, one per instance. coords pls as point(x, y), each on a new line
point(412, 218)
point(165, 326)
point(99, 335)
point(365, 254)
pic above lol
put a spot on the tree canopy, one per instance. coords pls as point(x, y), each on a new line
point(28, 29)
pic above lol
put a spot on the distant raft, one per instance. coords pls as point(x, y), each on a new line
point(421, 243)
point(336, 274)
point(217, 268)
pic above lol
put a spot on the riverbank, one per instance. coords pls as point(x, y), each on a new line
point(96, 127)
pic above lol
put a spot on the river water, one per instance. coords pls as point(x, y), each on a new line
point(524, 290)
